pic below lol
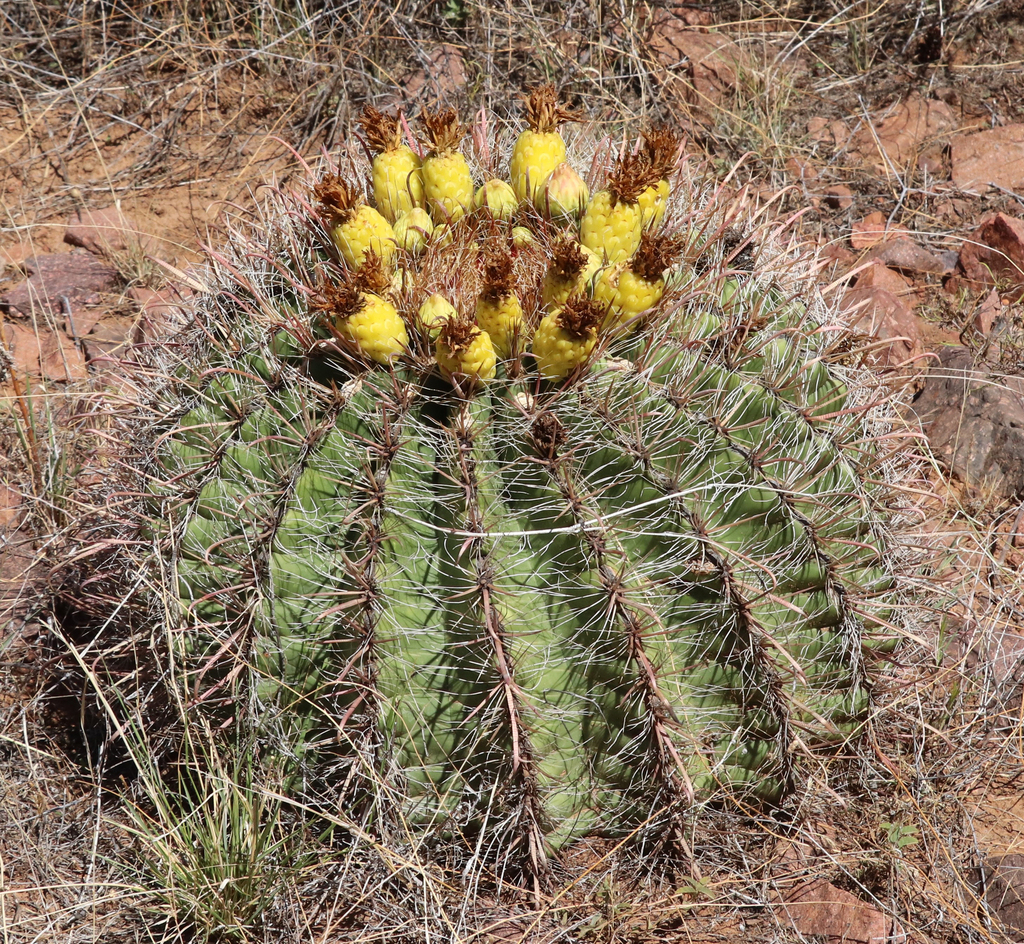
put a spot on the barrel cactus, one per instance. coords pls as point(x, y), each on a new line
point(508, 607)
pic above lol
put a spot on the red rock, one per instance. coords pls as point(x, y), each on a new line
point(697, 66)
point(105, 231)
point(995, 252)
point(1004, 889)
point(838, 257)
point(907, 256)
point(11, 509)
point(950, 258)
point(872, 230)
point(818, 909)
point(12, 259)
point(109, 341)
point(989, 312)
point(162, 311)
point(932, 163)
point(838, 197)
point(989, 159)
point(894, 140)
point(443, 74)
point(882, 277)
point(78, 276)
point(868, 231)
point(816, 127)
point(954, 208)
point(882, 315)
point(686, 13)
point(974, 420)
point(833, 134)
point(46, 354)
point(803, 171)
point(955, 284)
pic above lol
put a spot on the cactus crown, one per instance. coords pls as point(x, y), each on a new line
point(497, 275)
point(568, 259)
point(338, 199)
point(373, 275)
point(661, 146)
point(581, 316)
point(444, 130)
point(543, 113)
point(655, 255)
point(338, 301)
point(383, 132)
point(458, 333)
point(631, 176)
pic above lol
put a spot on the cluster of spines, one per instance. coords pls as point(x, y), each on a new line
point(580, 244)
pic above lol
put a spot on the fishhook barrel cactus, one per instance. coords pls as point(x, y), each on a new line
point(510, 592)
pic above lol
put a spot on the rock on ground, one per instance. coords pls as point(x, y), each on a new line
point(994, 252)
point(974, 420)
point(79, 277)
point(990, 159)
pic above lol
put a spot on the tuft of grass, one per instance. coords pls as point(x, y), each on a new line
point(218, 855)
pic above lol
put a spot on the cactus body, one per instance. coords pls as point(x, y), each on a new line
point(532, 604)
point(624, 594)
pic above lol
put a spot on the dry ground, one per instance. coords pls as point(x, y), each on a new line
point(177, 110)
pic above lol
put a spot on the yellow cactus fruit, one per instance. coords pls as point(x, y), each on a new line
point(434, 312)
point(631, 288)
point(355, 227)
point(522, 237)
point(402, 280)
point(498, 310)
point(612, 224)
point(378, 329)
point(570, 268)
point(539, 149)
point(566, 337)
point(442, 235)
point(662, 149)
point(464, 352)
point(606, 292)
point(447, 182)
point(592, 267)
point(397, 178)
point(413, 229)
point(564, 196)
point(369, 321)
point(497, 198)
